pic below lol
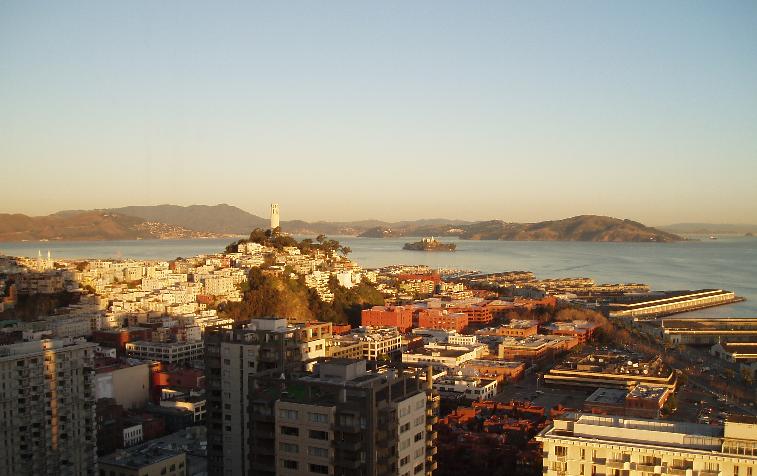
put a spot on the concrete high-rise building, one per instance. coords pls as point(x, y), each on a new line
point(582, 444)
point(274, 216)
point(47, 408)
point(264, 346)
point(343, 421)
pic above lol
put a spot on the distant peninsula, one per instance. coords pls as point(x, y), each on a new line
point(220, 221)
point(579, 228)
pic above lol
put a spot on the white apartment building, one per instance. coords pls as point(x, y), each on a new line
point(168, 352)
point(47, 397)
point(469, 387)
point(582, 444)
point(133, 435)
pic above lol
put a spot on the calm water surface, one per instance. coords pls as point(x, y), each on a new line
point(728, 263)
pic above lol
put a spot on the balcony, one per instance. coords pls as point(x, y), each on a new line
point(348, 445)
point(347, 428)
point(677, 471)
point(615, 464)
point(646, 467)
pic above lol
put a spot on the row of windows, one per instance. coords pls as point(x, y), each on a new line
point(313, 468)
point(294, 415)
point(313, 434)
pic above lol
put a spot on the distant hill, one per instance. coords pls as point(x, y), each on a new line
point(84, 226)
point(174, 221)
point(225, 218)
point(216, 218)
point(709, 228)
point(580, 228)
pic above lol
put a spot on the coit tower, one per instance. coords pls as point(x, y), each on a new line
point(274, 216)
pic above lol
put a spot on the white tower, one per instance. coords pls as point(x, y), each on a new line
point(274, 216)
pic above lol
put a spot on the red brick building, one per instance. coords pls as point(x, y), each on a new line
point(388, 316)
point(118, 338)
point(439, 319)
point(476, 314)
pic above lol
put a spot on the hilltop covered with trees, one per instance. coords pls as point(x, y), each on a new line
point(275, 239)
point(280, 295)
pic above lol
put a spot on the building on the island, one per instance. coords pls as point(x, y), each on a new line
point(48, 405)
point(584, 444)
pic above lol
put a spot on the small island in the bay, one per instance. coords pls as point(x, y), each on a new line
point(429, 244)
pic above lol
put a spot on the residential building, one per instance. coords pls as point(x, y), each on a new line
point(442, 319)
point(342, 421)
point(499, 370)
point(514, 328)
point(48, 403)
point(267, 346)
point(167, 352)
point(126, 381)
point(468, 387)
point(477, 314)
point(584, 444)
point(443, 355)
point(144, 460)
point(388, 316)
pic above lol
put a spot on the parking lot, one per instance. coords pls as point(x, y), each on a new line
point(547, 397)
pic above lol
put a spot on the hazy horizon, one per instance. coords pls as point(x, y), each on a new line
point(284, 218)
point(394, 111)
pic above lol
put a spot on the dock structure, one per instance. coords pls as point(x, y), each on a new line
point(656, 305)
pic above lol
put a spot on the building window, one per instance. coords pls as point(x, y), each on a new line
point(289, 464)
point(319, 435)
point(561, 451)
point(290, 430)
point(418, 468)
point(418, 436)
point(289, 447)
point(404, 461)
point(319, 452)
point(319, 469)
point(318, 417)
point(288, 414)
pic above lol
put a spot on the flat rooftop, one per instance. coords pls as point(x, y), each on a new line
point(139, 456)
point(651, 392)
point(494, 363)
point(437, 352)
point(607, 396)
point(669, 297)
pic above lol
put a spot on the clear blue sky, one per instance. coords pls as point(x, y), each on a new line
point(389, 109)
